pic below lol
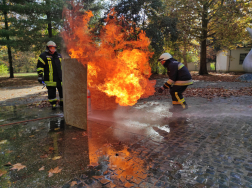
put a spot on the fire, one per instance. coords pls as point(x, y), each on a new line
point(117, 61)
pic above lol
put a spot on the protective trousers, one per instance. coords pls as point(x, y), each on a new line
point(52, 94)
point(177, 97)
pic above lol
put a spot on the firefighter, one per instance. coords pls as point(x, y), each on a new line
point(179, 79)
point(49, 72)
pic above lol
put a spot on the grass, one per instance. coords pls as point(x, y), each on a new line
point(20, 75)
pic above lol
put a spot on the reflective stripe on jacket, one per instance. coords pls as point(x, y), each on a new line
point(50, 66)
point(178, 73)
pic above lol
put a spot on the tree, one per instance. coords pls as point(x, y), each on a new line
point(29, 24)
point(5, 12)
point(148, 15)
point(205, 20)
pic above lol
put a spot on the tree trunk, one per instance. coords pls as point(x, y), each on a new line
point(184, 53)
point(8, 39)
point(49, 19)
point(10, 62)
point(203, 65)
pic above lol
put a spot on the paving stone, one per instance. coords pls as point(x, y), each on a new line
point(136, 180)
point(81, 185)
point(89, 181)
point(249, 179)
point(110, 185)
point(128, 185)
point(98, 177)
point(122, 179)
point(201, 179)
point(142, 176)
point(249, 185)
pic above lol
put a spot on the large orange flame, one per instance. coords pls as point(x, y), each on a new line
point(117, 62)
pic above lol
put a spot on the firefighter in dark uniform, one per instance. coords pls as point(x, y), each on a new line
point(179, 79)
point(49, 64)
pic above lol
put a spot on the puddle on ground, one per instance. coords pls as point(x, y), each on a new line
point(13, 114)
point(143, 145)
point(53, 154)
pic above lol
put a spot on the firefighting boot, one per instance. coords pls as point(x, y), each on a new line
point(185, 106)
point(53, 106)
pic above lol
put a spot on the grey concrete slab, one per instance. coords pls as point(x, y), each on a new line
point(74, 81)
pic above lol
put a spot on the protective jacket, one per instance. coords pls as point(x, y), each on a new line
point(50, 65)
point(178, 74)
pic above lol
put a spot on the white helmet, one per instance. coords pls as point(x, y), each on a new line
point(164, 57)
point(51, 43)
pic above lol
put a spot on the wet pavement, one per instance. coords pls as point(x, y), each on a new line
point(208, 145)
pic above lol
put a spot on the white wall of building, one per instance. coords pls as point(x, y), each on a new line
point(235, 59)
point(222, 59)
point(229, 61)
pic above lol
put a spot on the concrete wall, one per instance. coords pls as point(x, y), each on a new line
point(75, 93)
point(229, 61)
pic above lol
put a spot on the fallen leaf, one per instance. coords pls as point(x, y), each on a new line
point(31, 136)
point(55, 170)
point(50, 174)
point(56, 158)
point(74, 138)
point(73, 183)
point(18, 166)
point(3, 141)
point(43, 156)
point(51, 148)
point(84, 134)
point(56, 129)
point(42, 168)
point(2, 172)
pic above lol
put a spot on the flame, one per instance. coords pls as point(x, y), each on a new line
point(126, 163)
point(117, 62)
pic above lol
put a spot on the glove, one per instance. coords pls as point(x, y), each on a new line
point(40, 79)
point(160, 90)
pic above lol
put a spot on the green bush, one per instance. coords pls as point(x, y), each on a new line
point(3, 69)
point(161, 69)
point(212, 66)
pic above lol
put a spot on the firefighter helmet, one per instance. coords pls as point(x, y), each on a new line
point(49, 46)
point(164, 57)
point(51, 43)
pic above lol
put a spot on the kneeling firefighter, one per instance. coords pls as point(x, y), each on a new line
point(49, 64)
point(179, 79)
